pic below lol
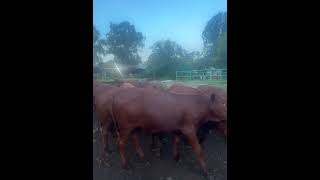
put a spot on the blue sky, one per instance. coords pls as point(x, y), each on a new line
point(181, 21)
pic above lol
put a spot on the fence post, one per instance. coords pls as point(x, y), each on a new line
point(176, 75)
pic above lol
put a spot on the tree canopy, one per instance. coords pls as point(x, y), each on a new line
point(215, 42)
point(98, 47)
point(215, 27)
point(123, 41)
point(167, 57)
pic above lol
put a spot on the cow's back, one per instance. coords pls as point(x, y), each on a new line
point(182, 89)
point(221, 93)
point(100, 87)
point(152, 109)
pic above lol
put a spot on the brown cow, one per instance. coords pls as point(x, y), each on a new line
point(145, 84)
point(221, 104)
point(98, 88)
point(160, 111)
point(136, 83)
point(103, 99)
point(157, 138)
point(220, 109)
point(140, 83)
point(182, 89)
point(101, 92)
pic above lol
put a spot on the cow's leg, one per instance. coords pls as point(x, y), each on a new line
point(159, 145)
point(156, 144)
point(137, 145)
point(201, 136)
point(153, 140)
point(105, 137)
point(176, 140)
point(191, 135)
point(104, 145)
point(95, 128)
point(222, 126)
point(122, 143)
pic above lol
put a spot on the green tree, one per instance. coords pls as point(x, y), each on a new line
point(215, 43)
point(96, 35)
point(123, 41)
point(99, 47)
point(166, 58)
point(215, 27)
point(220, 52)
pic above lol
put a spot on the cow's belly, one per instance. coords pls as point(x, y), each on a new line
point(161, 122)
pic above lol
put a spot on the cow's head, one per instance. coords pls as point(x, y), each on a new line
point(217, 108)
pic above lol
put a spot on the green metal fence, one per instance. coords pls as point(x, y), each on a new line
point(207, 74)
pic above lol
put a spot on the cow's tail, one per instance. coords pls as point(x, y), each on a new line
point(113, 118)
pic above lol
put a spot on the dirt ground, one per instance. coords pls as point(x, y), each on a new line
point(164, 168)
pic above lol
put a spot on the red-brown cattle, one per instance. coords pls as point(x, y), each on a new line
point(182, 89)
point(219, 107)
point(99, 88)
point(103, 99)
point(220, 104)
point(101, 93)
point(160, 111)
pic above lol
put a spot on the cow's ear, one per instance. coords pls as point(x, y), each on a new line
point(213, 97)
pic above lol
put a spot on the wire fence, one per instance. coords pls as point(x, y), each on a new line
point(207, 74)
